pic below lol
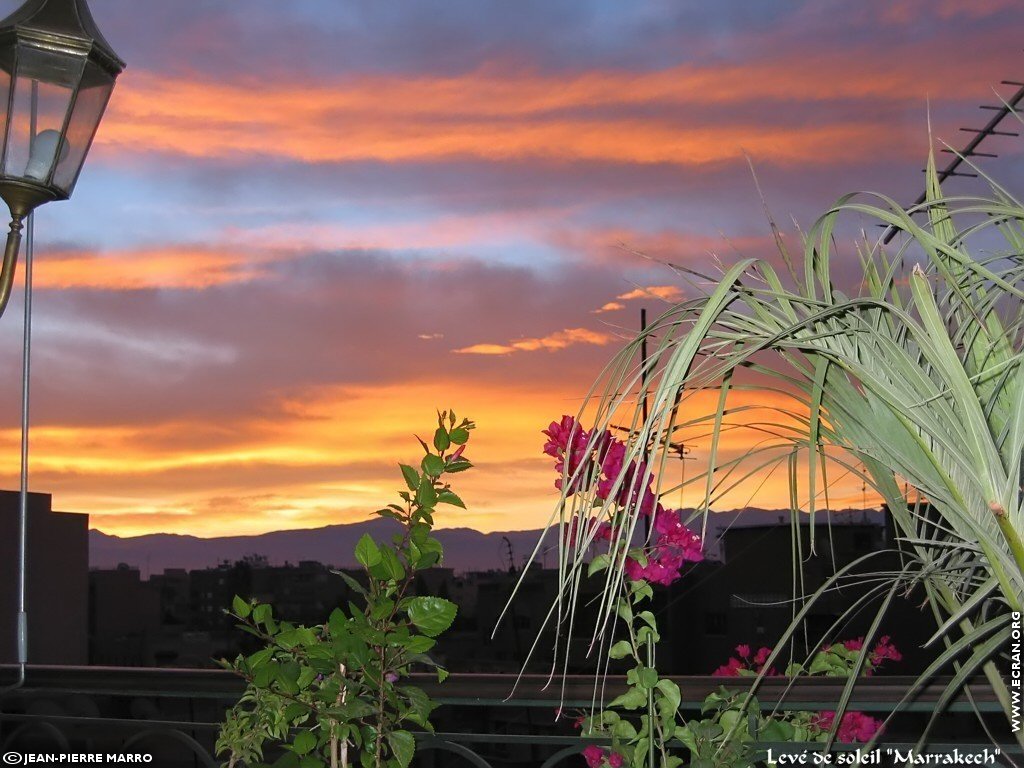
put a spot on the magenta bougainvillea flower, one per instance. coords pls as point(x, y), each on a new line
point(885, 651)
point(673, 544)
point(746, 664)
point(567, 441)
point(597, 757)
point(854, 727)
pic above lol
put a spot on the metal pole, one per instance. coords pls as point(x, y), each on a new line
point(26, 354)
point(23, 499)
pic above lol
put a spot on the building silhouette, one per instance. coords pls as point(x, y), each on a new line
point(746, 596)
point(56, 581)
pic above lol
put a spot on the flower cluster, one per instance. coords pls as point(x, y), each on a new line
point(854, 727)
point(747, 664)
point(566, 441)
point(624, 484)
point(883, 651)
point(597, 757)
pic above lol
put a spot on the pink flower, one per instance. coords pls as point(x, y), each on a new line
point(854, 727)
point(611, 465)
point(634, 571)
point(566, 440)
point(735, 667)
point(654, 572)
point(391, 677)
point(730, 669)
point(560, 434)
point(674, 546)
point(885, 650)
point(615, 760)
point(594, 756)
point(854, 645)
point(605, 532)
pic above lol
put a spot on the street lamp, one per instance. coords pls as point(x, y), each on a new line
point(56, 75)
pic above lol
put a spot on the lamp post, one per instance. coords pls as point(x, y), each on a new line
point(56, 74)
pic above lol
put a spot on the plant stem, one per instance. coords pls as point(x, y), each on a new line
point(342, 695)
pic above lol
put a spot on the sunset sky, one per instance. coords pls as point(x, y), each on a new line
point(304, 226)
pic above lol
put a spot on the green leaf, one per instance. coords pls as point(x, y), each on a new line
point(670, 692)
point(390, 566)
point(447, 497)
point(412, 477)
point(304, 742)
point(432, 615)
point(620, 650)
point(419, 702)
point(419, 644)
point(260, 658)
point(775, 730)
point(403, 745)
point(441, 439)
point(426, 495)
point(598, 564)
point(430, 553)
point(624, 729)
point(288, 677)
point(648, 618)
point(367, 551)
point(459, 465)
point(634, 698)
point(433, 465)
point(418, 532)
point(261, 613)
point(241, 607)
point(459, 436)
point(306, 677)
point(647, 677)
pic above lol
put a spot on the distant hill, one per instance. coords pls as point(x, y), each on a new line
point(465, 549)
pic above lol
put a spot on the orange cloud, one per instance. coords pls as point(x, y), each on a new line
point(168, 267)
point(503, 116)
point(663, 292)
point(551, 342)
point(610, 306)
point(328, 455)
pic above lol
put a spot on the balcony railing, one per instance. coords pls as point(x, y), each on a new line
point(174, 714)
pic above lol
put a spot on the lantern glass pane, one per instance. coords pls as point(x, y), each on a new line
point(6, 68)
point(85, 118)
point(44, 84)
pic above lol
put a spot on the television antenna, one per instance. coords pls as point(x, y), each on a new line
point(1001, 112)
